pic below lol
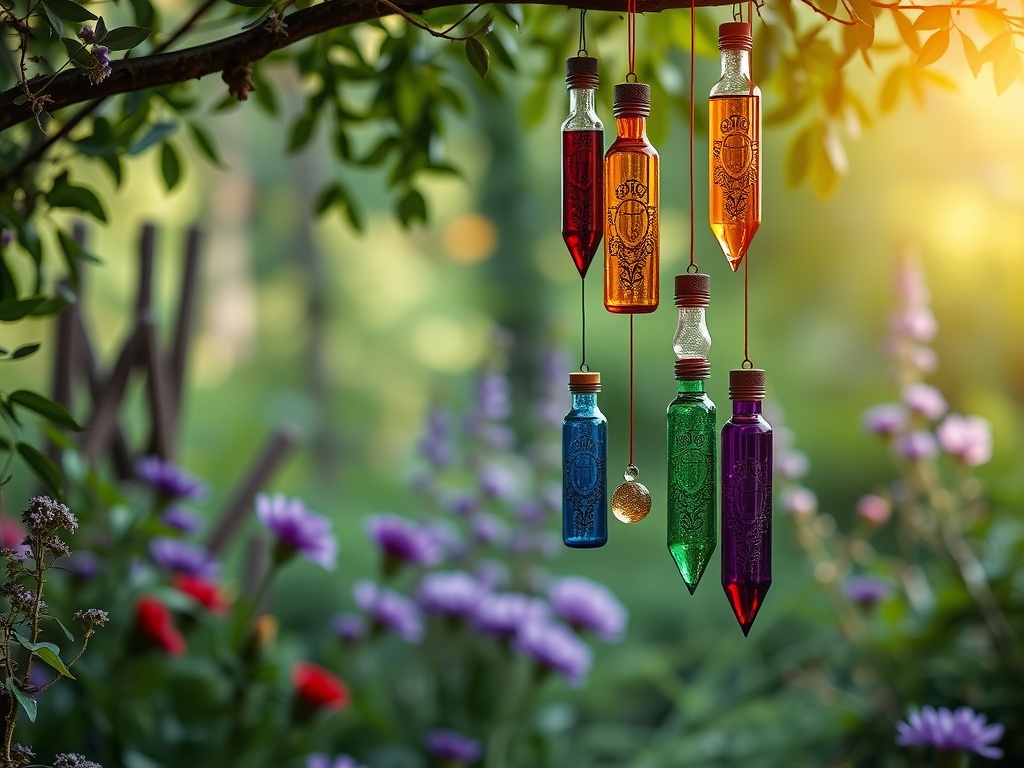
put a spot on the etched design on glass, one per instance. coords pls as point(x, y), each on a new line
point(584, 469)
point(749, 498)
point(693, 461)
point(735, 158)
point(632, 232)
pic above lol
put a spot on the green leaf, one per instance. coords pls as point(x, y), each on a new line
point(933, 18)
point(46, 652)
point(100, 31)
point(43, 468)
point(24, 351)
point(412, 207)
point(378, 154)
point(63, 194)
point(933, 48)
point(170, 165)
point(478, 56)
point(67, 632)
point(126, 38)
point(157, 133)
point(72, 254)
point(44, 407)
point(55, 22)
point(69, 10)
point(513, 12)
point(329, 197)
point(798, 157)
point(302, 132)
point(27, 702)
point(12, 310)
point(205, 143)
point(77, 54)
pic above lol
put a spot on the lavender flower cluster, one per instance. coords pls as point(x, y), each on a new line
point(475, 562)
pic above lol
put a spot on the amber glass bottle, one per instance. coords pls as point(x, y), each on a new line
point(734, 189)
point(631, 241)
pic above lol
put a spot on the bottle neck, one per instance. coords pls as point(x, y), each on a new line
point(582, 101)
point(695, 386)
point(748, 408)
point(630, 127)
point(736, 63)
point(584, 401)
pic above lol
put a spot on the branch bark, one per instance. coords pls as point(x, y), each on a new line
point(127, 75)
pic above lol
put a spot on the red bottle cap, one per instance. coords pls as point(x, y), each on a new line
point(585, 381)
point(632, 100)
point(581, 72)
point(735, 35)
point(693, 290)
point(693, 368)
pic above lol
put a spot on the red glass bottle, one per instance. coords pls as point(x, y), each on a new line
point(582, 164)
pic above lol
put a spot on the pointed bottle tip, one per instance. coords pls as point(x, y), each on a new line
point(691, 562)
point(734, 264)
point(746, 597)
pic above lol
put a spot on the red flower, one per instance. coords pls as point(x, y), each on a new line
point(155, 623)
point(317, 688)
point(206, 593)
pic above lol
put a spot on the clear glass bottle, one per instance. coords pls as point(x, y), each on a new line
point(734, 146)
point(631, 244)
point(584, 465)
point(692, 433)
point(582, 164)
point(746, 497)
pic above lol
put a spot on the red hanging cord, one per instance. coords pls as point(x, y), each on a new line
point(693, 36)
point(631, 390)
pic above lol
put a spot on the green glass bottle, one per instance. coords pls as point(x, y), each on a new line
point(692, 434)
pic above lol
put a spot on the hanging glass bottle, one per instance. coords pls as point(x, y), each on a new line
point(692, 433)
point(631, 243)
point(584, 465)
point(582, 164)
point(746, 497)
point(734, 142)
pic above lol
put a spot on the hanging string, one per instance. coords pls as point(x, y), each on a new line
point(737, 12)
point(631, 31)
point(747, 362)
point(583, 318)
point(583, 33)
point(631, 465)
point(693, 36)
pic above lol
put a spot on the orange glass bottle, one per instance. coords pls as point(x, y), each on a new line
point(631, 241)
point(734, 145)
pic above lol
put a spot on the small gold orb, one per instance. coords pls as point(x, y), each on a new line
point(631, 502)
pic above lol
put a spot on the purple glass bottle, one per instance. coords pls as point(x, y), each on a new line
point(746, 497)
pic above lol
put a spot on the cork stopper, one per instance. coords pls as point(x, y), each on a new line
point(746, 384)
point(585, 381)
point(693, 368)
point(735, 35)
point(693, 290)
point(632, 100)
point(581, 72)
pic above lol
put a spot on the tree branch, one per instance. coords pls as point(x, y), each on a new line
point(154, 71)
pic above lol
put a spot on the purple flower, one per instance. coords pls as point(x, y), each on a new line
point(923, 359)
point(503, 613)
point(349, 627)
point(297, 530)
point(100, 64)
point(874, 509)
point(169, 480)
point(492, 573)
point(451, 746)
point(325, 761)
point(401, 540)
point(917, 445)
point(555, 647)
point(799, 501)
point(497, 437)
point(916, 323)
point(462, 505)
point(925, 400)
point(450, 593)
point(961, 731)
point(86, 34)
point(83, 565)
point(181, 557)
point(791, 464)
point(489, 529)
point(493, 397)
point(587, 605)
point(436, 444)
point(967, 438)
point(389, 609)
point(498, 481)
point(885, 420)
point(866, 590)
point(182, 519)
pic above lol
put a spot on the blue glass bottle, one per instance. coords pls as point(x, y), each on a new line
point(584, 466)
